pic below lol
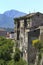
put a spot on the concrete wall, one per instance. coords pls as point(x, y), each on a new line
point(41, 32)
point(24, 42)
point(37, 20)
point(31, 52)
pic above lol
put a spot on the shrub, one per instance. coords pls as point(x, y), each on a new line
point(17, 54)
point(2, 62)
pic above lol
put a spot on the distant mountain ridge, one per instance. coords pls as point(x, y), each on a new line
point(7, 29)
point(14, 13)
point(6, 22)
point(6, 19)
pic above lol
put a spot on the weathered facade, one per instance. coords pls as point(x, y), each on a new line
point(28, 28)
point(3, 32)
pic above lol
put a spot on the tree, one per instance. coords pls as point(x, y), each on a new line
point(2, 62)
point(11, 62)
point(6, 48)
point(20, 62)
point(17, 55)
point(39, 46)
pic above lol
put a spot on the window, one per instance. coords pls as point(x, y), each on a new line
point(28, 22)
point(21, 23)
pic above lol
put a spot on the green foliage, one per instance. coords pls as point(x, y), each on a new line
point(2, 62)
point(17, 54)
point(6, 46)
point(39, 45)
point(11, 62)
point(20, 62)
point(6, 49)
point(39, 57)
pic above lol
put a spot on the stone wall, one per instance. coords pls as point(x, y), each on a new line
point(31, 49)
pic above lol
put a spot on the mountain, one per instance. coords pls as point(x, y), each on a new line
point(6, 19)
point(6, 22)
point(7, 29)
point(14, 13)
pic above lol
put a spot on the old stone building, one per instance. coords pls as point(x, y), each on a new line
point(28, 28)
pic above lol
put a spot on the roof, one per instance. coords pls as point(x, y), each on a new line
point(2, 29)
point(28, 15)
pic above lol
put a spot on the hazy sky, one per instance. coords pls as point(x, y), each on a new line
point(27, 6)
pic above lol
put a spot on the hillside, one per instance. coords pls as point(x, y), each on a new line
point(14, 13)
point(6, 19)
